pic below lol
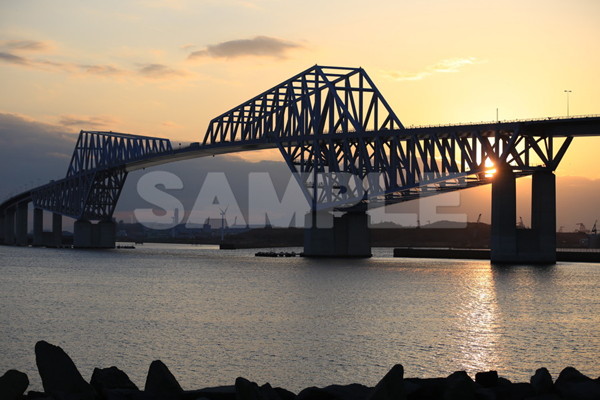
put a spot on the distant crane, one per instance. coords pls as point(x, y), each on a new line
point(521, 224)
point(594, 229)
point(478, 219)
point(581, 228)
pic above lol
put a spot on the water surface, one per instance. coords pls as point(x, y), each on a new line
point(212, 315)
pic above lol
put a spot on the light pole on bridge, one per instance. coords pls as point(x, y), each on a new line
point(567, 92)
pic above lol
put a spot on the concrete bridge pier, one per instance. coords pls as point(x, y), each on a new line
point(21, 224)
point(38, 227)
point(329, 236)
point(2, 220)
point(56, 235)
point(512, 245)
point(9, 226)
point(543, 214)
point(101, 235)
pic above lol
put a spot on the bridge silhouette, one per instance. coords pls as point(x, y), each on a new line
point(333, 127)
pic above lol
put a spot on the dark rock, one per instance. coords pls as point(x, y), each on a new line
point(285, 394)
point(547, 396)
point(504, 382)
point(111, 378)
point(13, 384)
point(487, 379)
point(353, 391)
point(212, 393)
point(541, 381)
point(514, 391)
point(35, 395)
point(129, 394)
point(459, 386)
point(268, 393)
point(573, 385)
point(60, 376)
point(247, 390)
point(391, 386)
point(424, 389)
point(482, 393)
point(571, 374)
point(160, 381)
point(315, 393)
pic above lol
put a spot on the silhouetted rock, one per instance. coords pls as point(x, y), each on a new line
point(541, 381)
point(459, 386)
point(354, 391)
point(212, 393)
point(504, 382)
point(514, 391)
point(247, 390)
point(60, 376)
point(160, 381)
point(35, 395)
point(129, 394)
point(424, 389)
point(268, 393)
point(111, 378)
point(573, 385)
point(487, 379)
point(547, 396)
point(285, 394)
point(13, 384)
point(391, 386)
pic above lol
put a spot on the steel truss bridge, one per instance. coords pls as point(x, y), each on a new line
point(333, 128)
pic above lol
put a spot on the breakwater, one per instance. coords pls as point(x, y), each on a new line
point(62, 381)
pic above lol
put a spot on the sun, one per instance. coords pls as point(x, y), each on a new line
point(489, 168)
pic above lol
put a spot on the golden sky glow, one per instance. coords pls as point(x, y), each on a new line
point(165, 68)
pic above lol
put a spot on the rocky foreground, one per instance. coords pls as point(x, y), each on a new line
point(62, 381)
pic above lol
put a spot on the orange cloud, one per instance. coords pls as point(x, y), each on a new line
point(449, 65)
point(260, 46)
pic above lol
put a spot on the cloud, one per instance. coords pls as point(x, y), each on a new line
point(35, 151)
point(25, 45)
point(10, 48)
point(159, 71)
point(106, 70)
point(171, 124)
point(260, 46)
point(450, 65)
point(86, 122)
point(13, 59)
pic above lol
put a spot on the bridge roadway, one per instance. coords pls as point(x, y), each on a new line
point(326, 121)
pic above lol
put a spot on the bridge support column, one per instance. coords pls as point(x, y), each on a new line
point(2, 222)
point(21, 224)
point(512, 245)
point(107, 234)
point(56, 236)
point(82, 234)
point(543, 214)
point(346, 236)
point(504, 216)
point(9, 226)
point(38, 227)
point(95, 236)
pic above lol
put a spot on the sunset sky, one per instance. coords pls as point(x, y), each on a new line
point(165, 68)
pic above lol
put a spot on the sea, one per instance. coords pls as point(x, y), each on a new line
point(212, 315)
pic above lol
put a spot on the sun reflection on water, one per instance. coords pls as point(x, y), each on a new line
point(478, 333)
